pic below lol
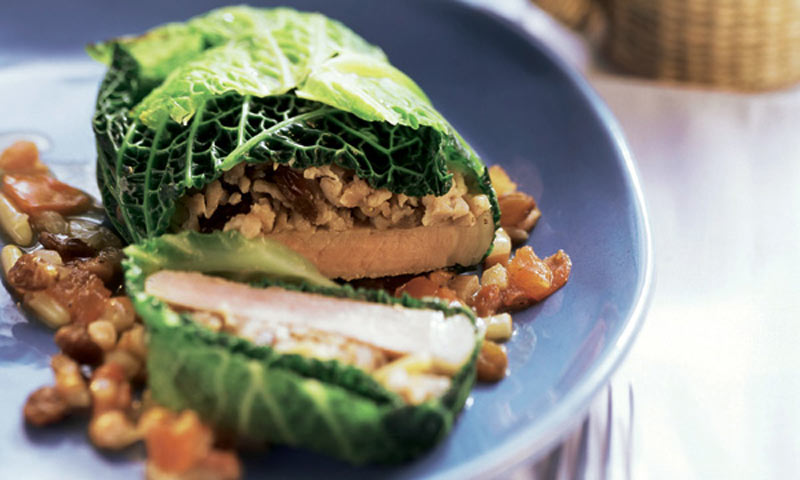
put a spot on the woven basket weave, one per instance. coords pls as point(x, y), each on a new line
point(571, 12)
point(734, 44)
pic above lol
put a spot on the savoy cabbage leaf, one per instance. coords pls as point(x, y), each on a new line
point(305, 38)
point(228, 253)
point(256, 86)
point(265, 396)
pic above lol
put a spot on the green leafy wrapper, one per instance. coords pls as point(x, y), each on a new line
point(260, 395)
point(184, 102)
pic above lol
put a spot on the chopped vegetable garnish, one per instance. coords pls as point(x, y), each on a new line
point(34, 193)
point(21, 157)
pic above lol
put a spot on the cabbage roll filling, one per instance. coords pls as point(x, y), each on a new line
point(264, 199)
point(412, 352)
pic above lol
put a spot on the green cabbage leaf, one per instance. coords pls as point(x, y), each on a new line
point(260, 395)
point(184, 102)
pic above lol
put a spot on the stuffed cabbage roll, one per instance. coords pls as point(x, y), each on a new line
point(266, 349)
point(286, 125)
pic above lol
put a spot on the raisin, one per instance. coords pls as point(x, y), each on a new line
point(45, 406)
point(298, 190)
point(82, 293)
point(107, 266)
point(75, 342)
point(32, 273)
point(68, 247)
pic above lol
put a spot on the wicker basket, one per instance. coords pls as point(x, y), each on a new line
point(571, 12)
point(734, 44)
point(740, 44)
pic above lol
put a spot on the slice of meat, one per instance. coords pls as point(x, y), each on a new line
point(249, 310)
point(369, 253)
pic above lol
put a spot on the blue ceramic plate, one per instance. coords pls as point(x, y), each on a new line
point(515, 103)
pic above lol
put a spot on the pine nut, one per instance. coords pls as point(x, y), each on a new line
point(465, 286)
point(47, 308)
point(103, 333)
point(14, 223)
point(50, 256)
point(70, 384)
point(127, 360)
point(501, 249)
point(133, 341)
point(498, 327)
point(517, 235)
point(119, 311)
point(112, 430)
point(9, 256)
point(496, 275)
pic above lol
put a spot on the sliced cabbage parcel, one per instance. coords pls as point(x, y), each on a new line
point(282, 124)
point(249, 334)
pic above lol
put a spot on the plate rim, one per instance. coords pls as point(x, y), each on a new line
point(535, 440)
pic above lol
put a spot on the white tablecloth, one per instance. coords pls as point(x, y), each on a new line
point(715, 372)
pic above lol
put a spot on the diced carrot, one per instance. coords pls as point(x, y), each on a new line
point(561, 266)
point(487, 300)
point(34, 193)
point(500, 181)
point(177, 446)
point(432, 285)
point(515, 208)
point(418, 287)
point(222, 465)
point(441, 277)
point(514, 298)
point(447, 294)
point(530, 274)
point(82, 293)
point(21, 157)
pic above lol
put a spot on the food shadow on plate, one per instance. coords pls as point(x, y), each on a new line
point(23, 339)
point(73, 431)
point(281, 462)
